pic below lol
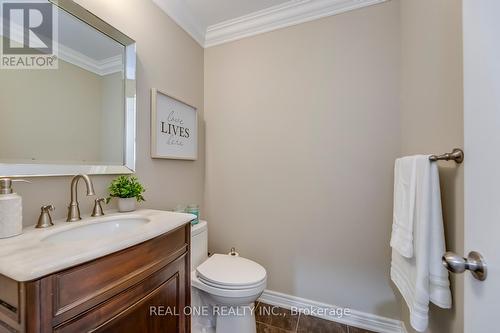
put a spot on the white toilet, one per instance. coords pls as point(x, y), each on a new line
point(224, 287)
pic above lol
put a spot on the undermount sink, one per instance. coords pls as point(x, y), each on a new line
point(98, 230)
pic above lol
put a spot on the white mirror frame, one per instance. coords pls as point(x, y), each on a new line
point(128, 167)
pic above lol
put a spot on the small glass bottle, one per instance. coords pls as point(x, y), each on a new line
point(180, 209)
point(195, 210)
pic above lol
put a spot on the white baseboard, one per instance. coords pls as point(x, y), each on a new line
point(354, 318)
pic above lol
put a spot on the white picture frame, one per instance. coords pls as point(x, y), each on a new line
point(174, 128)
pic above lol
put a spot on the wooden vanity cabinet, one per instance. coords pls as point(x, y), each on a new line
point(144, 288)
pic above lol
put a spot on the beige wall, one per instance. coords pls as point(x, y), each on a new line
point(168, 59)
point(432, 117)
point(302, 131)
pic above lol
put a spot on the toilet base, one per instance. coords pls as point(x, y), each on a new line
point(221, 319)
point(200, 323)
point(239, 319)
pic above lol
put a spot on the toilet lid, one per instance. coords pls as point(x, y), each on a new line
point(231, 272)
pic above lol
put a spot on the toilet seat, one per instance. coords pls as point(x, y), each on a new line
point(230, 293)
point(230, 276)
point(222, 286)
point(231, 272)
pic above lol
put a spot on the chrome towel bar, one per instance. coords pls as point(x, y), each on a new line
point(456, 155)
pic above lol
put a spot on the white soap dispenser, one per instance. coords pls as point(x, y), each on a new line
point(11, 209)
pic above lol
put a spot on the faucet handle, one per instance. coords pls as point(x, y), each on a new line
point(98, 211)
point(48, 208)
point(45, 220)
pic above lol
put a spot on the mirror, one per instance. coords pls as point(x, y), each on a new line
point(77, 116)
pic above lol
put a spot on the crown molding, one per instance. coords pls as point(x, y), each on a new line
point(100, 67)
point(111, 65)
point(180, 13)
point(284, 15)
point(287, 14)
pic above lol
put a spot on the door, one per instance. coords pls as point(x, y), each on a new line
point(481, 28)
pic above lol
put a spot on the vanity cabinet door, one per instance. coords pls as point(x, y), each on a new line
point(139, 315)
point(137, 309)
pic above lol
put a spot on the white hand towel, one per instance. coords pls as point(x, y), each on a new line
point(422, 278)
point(404, 205)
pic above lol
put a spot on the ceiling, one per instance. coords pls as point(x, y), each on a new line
point(211, 12)
point(214, 22)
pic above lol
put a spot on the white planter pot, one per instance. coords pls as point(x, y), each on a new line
point(126, 204)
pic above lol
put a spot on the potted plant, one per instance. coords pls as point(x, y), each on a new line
point(128, 190)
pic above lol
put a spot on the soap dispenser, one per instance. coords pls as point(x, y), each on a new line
point(11, 209)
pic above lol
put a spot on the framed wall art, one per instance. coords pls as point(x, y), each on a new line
point(174, 128)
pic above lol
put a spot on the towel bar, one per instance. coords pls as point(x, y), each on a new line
point(456, 155)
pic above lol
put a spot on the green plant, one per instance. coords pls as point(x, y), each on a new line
point(126, 187)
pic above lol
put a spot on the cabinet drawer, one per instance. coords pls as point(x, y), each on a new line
point(131, 308)
point(103, 276)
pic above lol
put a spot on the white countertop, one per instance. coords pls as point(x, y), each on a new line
point(30, 256)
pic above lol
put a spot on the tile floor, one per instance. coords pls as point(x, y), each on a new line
point(283, 321)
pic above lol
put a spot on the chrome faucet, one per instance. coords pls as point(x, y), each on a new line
point(74, 209)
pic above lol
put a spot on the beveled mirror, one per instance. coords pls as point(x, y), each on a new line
point(77, 116)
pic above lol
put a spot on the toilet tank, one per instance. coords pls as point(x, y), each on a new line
point(199, 244)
